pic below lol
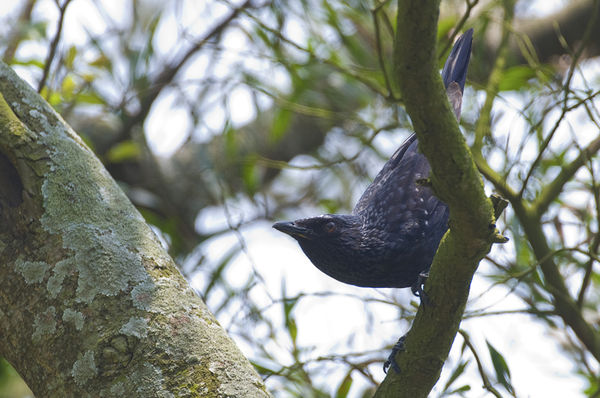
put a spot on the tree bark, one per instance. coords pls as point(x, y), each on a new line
point(90, 303)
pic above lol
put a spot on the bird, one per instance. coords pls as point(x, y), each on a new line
point(390, 238)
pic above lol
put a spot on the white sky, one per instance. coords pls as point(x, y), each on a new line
point(538, 367)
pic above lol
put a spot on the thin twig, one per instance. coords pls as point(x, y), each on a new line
point(280, 164)
point(168, 74)
point(552, 190)
point(593, 247)
point(369, 83)
point(484, 378)
point(16, 34)
point(386, 77)
point(54, 45)
point(567, 91)
point(458, 27)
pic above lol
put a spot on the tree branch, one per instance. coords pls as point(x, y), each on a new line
point(89, 300)
point(16, 34)
point(551, 190)
point(456, 180)
point(54, 45)
point(566, 307)
point(167, 75)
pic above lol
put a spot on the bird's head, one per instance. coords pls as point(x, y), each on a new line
point(330, 240)
point(326, 226)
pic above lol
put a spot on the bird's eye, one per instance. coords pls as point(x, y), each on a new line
point(329, 227)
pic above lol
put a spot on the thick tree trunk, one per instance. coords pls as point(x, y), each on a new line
point(90, 303)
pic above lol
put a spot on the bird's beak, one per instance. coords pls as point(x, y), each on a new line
point(292, 229)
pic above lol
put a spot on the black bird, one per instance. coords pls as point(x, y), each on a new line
point(390, 238)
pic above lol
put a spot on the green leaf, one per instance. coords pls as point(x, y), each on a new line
point(36, 30)
point(288, 306)
point(460, 390)
point(30, 62)
point(344, 388)
point(250, 174)
point(216, 276)
point(516, 78)
point(70, 57)
point(102, 62)
point(88, 97)
point(231, 145)
point(263, 369)
point(68, 87)
point(292, 328)
point(281, 122)
point(445, 25)
point(501, 368)
point(123, 151)
point(53, 98)
point(331, 206)
point(460, 369)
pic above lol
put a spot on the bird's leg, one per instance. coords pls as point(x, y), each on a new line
point(417, 288)
point(391, 361)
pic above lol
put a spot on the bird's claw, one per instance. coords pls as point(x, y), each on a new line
point(417, 288)
point(391, 360)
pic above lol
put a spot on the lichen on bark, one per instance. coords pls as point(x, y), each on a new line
point(89, 300)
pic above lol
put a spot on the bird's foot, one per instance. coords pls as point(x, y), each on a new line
point(417, 288)
point(391, 361)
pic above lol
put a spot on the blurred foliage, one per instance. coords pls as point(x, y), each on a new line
point(324, 114)
point(11, 385)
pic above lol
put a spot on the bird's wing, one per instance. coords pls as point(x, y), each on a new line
point(372, 194)
point(395, 196)
point(396, 199)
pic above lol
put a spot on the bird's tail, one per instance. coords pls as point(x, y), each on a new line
point(454, 73)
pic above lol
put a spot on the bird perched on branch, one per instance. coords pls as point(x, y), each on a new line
point(394, 231)
point(391, 236)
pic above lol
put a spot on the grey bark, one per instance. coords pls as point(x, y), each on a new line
point(90, 303)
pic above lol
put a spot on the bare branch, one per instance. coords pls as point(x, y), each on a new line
point(54, 45)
